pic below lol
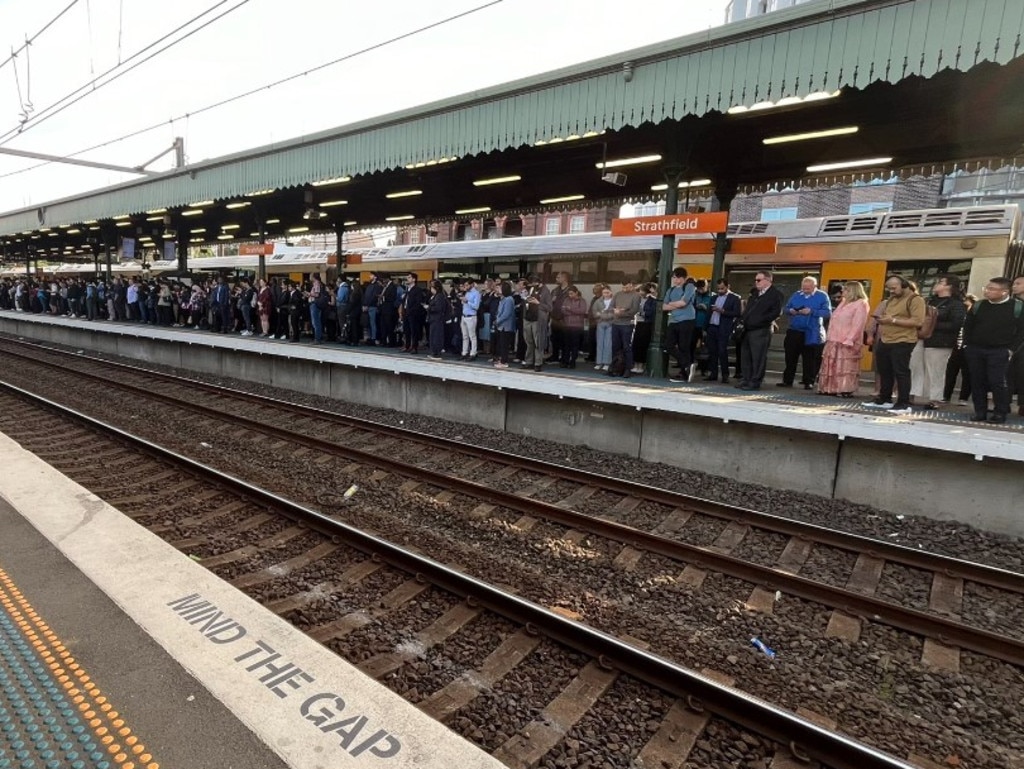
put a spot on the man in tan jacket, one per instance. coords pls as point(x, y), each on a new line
point(897, 320)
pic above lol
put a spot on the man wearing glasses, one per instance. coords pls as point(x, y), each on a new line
point(994, 327)
point(763, 307)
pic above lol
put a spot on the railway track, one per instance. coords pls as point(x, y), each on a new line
point(467, 487)
point(252, 537)
point(663, 530)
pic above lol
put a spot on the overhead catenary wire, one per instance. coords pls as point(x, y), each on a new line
point(267, 86)
point(32, 39)
point(93, 85)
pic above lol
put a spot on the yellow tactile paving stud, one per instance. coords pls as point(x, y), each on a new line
point(41, 682)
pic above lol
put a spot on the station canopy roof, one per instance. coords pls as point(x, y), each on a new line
point(927, 83)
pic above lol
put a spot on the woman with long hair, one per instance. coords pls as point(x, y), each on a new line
point(438, 312)
point(844, 344)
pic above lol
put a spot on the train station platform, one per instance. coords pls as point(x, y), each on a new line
point(932, 463)
point(104, 665)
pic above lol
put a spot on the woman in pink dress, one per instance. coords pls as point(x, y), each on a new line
point(844, 345)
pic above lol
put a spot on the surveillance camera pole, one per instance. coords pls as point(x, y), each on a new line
point(655, 359)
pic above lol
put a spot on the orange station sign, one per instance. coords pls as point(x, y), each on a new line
point(255, 249)
point(673, 224)
point(737, 245)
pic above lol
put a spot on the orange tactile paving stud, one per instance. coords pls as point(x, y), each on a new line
point(66, 670)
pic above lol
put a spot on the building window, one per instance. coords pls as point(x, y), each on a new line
point(552, 226)
point(778, 214)
point(878, 207)
point(577, 224)
point(650, 209)
point(414, 237)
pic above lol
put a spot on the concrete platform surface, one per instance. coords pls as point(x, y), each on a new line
point(793, 409)
point(167, 665)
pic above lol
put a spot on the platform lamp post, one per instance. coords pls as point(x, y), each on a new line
point(655, 357)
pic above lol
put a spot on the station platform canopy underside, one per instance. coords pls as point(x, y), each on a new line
point(917, 86)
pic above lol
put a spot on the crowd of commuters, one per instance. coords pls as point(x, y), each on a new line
point(920, 345)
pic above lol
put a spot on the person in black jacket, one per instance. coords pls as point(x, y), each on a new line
point(992, 330)
point(763, 307)
point(296, 309)
point(414, 313)
point(930, 356)
point(438, 312)
point(723, 311)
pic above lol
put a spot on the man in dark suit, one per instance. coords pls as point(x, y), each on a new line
point(414, 313)
point(722, 315)
point(763, 307)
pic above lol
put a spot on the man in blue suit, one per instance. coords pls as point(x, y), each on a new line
point(722, 314)
point(807, 310)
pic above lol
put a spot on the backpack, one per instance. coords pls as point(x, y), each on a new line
point(931, 317)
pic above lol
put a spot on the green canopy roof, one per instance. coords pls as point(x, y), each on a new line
point(817, 47)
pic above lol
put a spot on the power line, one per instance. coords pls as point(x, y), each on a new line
point(91, 87)
point(267, 86)
point(32, 39)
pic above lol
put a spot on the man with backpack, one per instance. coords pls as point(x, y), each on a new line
point(897, 321)
point(993, 329)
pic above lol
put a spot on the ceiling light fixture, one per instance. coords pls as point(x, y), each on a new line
point(402, 218)
point(230, 226)
point(239, 204)
point(403, 194)
point(498, 180)
point(273, 221)
point(351, 223)
point(225, 236)
point(682, 185)
point(299, 229)
point(157, 211)
point(844, 131)
point(198, 229)
point(562, 199)
point(786, 101)
point(200, 204)
point(192, 212)
point(841, 164)
point(335, 180)
point(332, 203)
point(258, 193)
point(477, 210)
point(629, 161)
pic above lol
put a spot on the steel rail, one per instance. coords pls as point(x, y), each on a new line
point(868, 607)
point(971, 571)
point(781, 726)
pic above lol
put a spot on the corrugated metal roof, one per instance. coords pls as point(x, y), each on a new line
point(815, 47)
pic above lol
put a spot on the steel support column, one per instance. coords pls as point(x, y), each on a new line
point(725, 192)
point(655, 356)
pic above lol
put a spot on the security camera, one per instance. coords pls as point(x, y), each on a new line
point(618, 179)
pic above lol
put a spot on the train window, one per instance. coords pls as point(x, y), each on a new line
point(587, 271)
point(924, 274)
point(634, 269)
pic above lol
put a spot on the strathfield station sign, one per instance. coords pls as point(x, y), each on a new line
point(676, 224)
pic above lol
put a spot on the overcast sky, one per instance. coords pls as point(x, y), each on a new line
point(263, 41)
